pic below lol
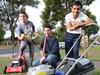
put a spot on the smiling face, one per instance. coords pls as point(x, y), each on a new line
point(47, 32)
point(76, 10)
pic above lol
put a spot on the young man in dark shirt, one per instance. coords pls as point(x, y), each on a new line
point(49, 49)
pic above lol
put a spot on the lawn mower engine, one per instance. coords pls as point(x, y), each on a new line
point(17, 66)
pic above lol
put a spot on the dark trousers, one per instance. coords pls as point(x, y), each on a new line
point(50, 60)
point(70, 39)
point(23, 45)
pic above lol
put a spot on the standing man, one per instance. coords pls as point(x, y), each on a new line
point(49, 49)
point(74, 21)
point(25, 27)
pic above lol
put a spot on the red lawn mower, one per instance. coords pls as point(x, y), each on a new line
point(17, 65)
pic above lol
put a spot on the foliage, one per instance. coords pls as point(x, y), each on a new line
point(60, 33)
point(52, 13)
point(2, 32)
point(39, 37)
point(93, 29)
point(9, 10)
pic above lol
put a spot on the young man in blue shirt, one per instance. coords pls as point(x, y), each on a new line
point(25, 27)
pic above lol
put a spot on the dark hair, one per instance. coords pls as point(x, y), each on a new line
point(23, 12)
point(77, 3)
point(48, 26)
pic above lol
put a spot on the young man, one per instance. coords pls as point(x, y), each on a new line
point(25, 27)
point(74, 21)
point(49, 49)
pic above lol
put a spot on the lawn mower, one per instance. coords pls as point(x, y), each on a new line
point(17, 65)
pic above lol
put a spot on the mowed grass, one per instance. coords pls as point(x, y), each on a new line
point(93, 54)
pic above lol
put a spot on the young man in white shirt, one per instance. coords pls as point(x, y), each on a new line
point(74, 21)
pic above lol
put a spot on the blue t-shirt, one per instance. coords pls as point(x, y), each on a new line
point(27, 28)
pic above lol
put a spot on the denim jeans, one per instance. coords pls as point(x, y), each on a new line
point(23, 45)
point(50, 60)
point(70, 39)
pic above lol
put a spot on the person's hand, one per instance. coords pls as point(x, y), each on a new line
point(70, 24)
point(41, 60)
point(34, 35)
point(80, 23)
point(22, 36)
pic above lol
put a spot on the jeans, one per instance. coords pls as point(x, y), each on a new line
point(23, 45)
point(70, 39)
point(50, 60)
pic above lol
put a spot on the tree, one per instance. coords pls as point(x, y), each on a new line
point(59, 33)
point(9, 10)
point(53, 12)
point(2, 32)
point(93, 29)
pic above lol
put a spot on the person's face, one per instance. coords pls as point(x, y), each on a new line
point(47, 32)
point(76, 10)
point(23, 18)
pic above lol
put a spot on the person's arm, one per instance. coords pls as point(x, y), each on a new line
point(88, 22)
point(33, 27)
point(79, 24)
point(42, 52)
point(71, 26)
point(21, 37)
point(34, 35)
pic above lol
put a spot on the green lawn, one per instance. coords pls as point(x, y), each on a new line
point(93, 54)
point(96, 72)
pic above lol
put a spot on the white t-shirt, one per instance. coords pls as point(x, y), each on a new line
point(69, 18)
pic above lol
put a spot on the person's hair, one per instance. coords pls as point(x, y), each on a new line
point(23, 12)
point(77, 3)
point(48, 26)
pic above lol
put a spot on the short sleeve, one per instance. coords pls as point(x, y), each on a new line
point(67, 19)
point(33, 27)
point(17, 30)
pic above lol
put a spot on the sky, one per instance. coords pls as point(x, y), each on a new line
point(95, 11)
point(34, 13)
